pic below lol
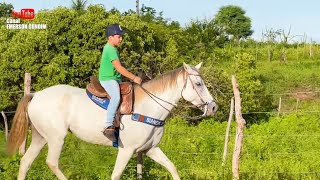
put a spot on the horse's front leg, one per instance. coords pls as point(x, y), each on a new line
point(157, 155)
point(123, 158)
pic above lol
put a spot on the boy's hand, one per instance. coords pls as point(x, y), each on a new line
point(137, 80)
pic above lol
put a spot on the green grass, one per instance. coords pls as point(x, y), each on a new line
point(2, 146)
point(282, 148)
point(287, 80)
point(285, 147)
point(290, 76)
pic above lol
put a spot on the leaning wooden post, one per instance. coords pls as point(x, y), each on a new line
point(139, 165)
point(297, 105)
point(226, 140)
point(239, 131)
point(279, 107)
point(27, 87)
point(5, 124)
point(311, 49)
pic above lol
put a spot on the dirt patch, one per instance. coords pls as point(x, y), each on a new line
point(305, 94)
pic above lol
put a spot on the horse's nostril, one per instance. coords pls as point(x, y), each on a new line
point(215, 108)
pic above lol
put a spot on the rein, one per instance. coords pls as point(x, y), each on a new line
point(154, 97)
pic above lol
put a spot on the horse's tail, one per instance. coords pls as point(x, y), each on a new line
point(19, 127)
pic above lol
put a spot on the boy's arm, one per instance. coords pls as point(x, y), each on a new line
point(117, 65)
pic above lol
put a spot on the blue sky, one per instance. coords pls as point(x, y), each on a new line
point(302, 16)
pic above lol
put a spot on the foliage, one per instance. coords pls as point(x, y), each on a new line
point(205, 35)
point(68, 51)
point(233, 22)
point(218, 83)
point(79, 5)
point(5, 10)
point(254, 98)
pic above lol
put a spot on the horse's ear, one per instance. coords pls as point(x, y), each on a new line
point(198, 66)
point(187, 67)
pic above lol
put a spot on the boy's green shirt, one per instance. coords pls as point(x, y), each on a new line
point(107, 70)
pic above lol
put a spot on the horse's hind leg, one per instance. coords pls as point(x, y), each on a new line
point(54, 150)
point(36, 145)
point(157, 155)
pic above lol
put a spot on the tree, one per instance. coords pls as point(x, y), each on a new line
point(69, 52)
point(253, 95)
point(271, 36)
point(204, 33)
point(149, 14)
point(232, 21)
point(5, 10)
point(79, 5)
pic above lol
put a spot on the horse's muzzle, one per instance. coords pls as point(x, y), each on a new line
point(212, 108)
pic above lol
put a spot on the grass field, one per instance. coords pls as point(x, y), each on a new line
point(284, 147)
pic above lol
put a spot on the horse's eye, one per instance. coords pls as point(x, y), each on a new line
point(198, 83)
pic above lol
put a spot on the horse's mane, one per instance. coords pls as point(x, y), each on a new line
point(162, 82)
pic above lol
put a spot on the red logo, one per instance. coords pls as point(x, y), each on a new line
point(23, 14)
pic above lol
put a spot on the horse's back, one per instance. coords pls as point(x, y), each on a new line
point(50, 108)
point(58, 108)
point(56, 97)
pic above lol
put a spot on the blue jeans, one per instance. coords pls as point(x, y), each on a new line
point(113, 89)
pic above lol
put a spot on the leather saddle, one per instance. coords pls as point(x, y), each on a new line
point(126, 91)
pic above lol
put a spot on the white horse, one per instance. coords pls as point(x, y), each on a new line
point(55, 110)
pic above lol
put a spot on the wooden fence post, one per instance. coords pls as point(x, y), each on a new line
point(279, 107)
point(297, 105)
point(139, 165)
point(311, 49)
point(27, 87)
point(5, 124)
point(226, 140)
point(239, 131)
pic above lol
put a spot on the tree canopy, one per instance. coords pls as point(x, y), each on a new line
point(69, 50)
point(79, 5)
point(5, 10)
point(232, 21)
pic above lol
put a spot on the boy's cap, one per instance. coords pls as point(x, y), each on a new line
point(114, 29)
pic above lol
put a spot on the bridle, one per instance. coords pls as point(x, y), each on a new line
point(203, 105)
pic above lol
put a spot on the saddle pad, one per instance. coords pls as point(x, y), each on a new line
point(102, 102)
point(125, 106)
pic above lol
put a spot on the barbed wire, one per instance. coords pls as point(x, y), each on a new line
point(10, 92)
point(9, 112)
point(200, 170)
point(169, 134)
point(254, 94)
point(287, 172)
point(257, 112)
point(277, 94)
point(15, 92)
point(192, 154)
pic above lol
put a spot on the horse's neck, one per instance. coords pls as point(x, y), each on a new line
point(160, 106)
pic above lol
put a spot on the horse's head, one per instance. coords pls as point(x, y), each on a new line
point(196, 92)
